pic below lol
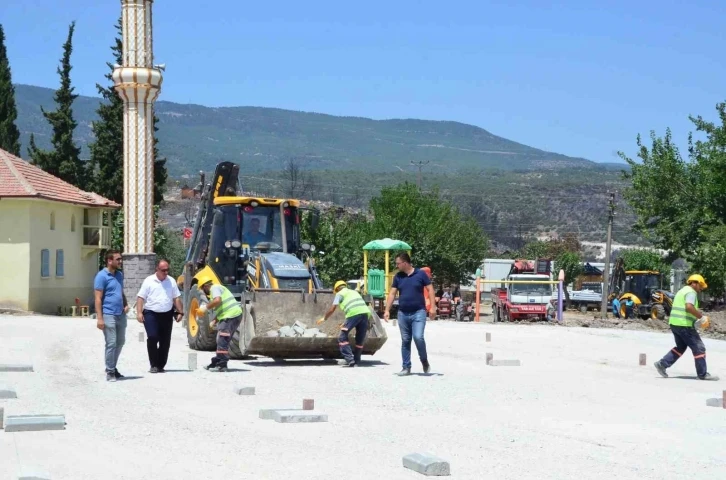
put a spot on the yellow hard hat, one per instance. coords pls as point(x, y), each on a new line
point(204, 279)
point(338, 284)
point(697, 278)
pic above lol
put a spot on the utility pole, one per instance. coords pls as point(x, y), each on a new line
point(606, 269)
point(420, 164)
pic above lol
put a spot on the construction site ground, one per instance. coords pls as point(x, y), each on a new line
point(579, 406)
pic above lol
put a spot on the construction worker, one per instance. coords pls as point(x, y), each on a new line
point(684, 317)
point(356, 316)
point(228, 316)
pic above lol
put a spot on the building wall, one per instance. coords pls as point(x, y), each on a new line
point(14, 253)
point(59, 226)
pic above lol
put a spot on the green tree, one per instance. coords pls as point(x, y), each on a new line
point(9, 133)
point(681, 206)
point(107, 151)
point(710, 260)
point(339, 244)
point(441, 237)
point(64, 160)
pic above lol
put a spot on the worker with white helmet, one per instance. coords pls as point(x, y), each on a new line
point(685, 317)
point(356, 313)
point(228, 316)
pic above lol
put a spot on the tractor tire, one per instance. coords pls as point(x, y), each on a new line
point(583, 308)
point(658, 312)
point(199, 335)
point(243, 335)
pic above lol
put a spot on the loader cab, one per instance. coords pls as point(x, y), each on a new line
point(262, 224)
point(641, 283)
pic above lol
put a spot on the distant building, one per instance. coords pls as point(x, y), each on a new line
point(51, 234)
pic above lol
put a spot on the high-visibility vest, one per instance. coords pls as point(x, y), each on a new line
point(352, 303)
point(679, 316)
point(229, 308)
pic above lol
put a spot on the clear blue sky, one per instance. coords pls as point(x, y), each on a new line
point(576, 77)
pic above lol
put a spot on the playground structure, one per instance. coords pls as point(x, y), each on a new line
point(377, 282)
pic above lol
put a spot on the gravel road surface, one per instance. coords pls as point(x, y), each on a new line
point(578, 407)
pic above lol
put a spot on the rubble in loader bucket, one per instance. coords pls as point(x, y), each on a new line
point(282, 324)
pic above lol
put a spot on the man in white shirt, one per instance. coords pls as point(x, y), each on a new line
point(154, 308)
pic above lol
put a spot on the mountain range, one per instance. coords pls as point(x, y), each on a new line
point(194, 137)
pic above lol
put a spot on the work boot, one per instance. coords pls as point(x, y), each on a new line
point(708, 376)
point(426, 367)
point(661, 369)
point(215, 362)
point(404, 372)
point(350, 364)
point(110, 377)
point(153, 370)
point(117, 374)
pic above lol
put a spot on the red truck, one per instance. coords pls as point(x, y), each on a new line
point(524, 299)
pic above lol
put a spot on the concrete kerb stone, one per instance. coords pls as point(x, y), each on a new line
point(489, 357)
point(427, 464)
point(16, 368)
point(641, 359)
point(244, 390)
point(7, 392)
point(32, 473)
point(717, 402)
point(192, 361)
point(308, 404)
point(299, 416)
point(489, 337)
point(504, 363)
point(34, 423)
point(269, 413)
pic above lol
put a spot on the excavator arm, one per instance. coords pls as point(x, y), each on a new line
point(225, 182)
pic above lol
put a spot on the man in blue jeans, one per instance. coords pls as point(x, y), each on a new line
point(111, 309)
point(410, 282)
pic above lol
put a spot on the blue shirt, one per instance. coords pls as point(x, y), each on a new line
point(410, 290)
point(112, 287)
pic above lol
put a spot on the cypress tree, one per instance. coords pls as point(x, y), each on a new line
point(64, 160)
point(9, 133)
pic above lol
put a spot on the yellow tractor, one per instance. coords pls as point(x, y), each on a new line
point(642, 288)
point(252, 246)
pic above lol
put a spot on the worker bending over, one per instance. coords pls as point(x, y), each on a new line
point(684, 317)
point(356, 316)
point(228, 316)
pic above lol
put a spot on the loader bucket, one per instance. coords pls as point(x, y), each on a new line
point(285, 326)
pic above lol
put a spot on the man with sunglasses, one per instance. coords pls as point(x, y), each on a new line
point(111, 308)
point(155, 304)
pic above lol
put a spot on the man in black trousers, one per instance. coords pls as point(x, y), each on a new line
point(155, 303)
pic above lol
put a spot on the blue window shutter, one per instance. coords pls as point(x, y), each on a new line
point(45, 263)
point(59, 270)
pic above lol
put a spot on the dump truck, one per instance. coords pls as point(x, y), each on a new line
point(526, 297)
point(252, 246)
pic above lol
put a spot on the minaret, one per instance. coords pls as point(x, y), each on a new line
point(138, 82)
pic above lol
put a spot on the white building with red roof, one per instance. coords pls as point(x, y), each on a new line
point(51, 234)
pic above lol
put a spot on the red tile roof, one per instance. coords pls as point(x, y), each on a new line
point(20, 179)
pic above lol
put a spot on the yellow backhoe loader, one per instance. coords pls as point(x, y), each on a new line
point(643, 288)
point(252, 246)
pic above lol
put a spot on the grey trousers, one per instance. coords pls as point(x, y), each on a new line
point(114, 332)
